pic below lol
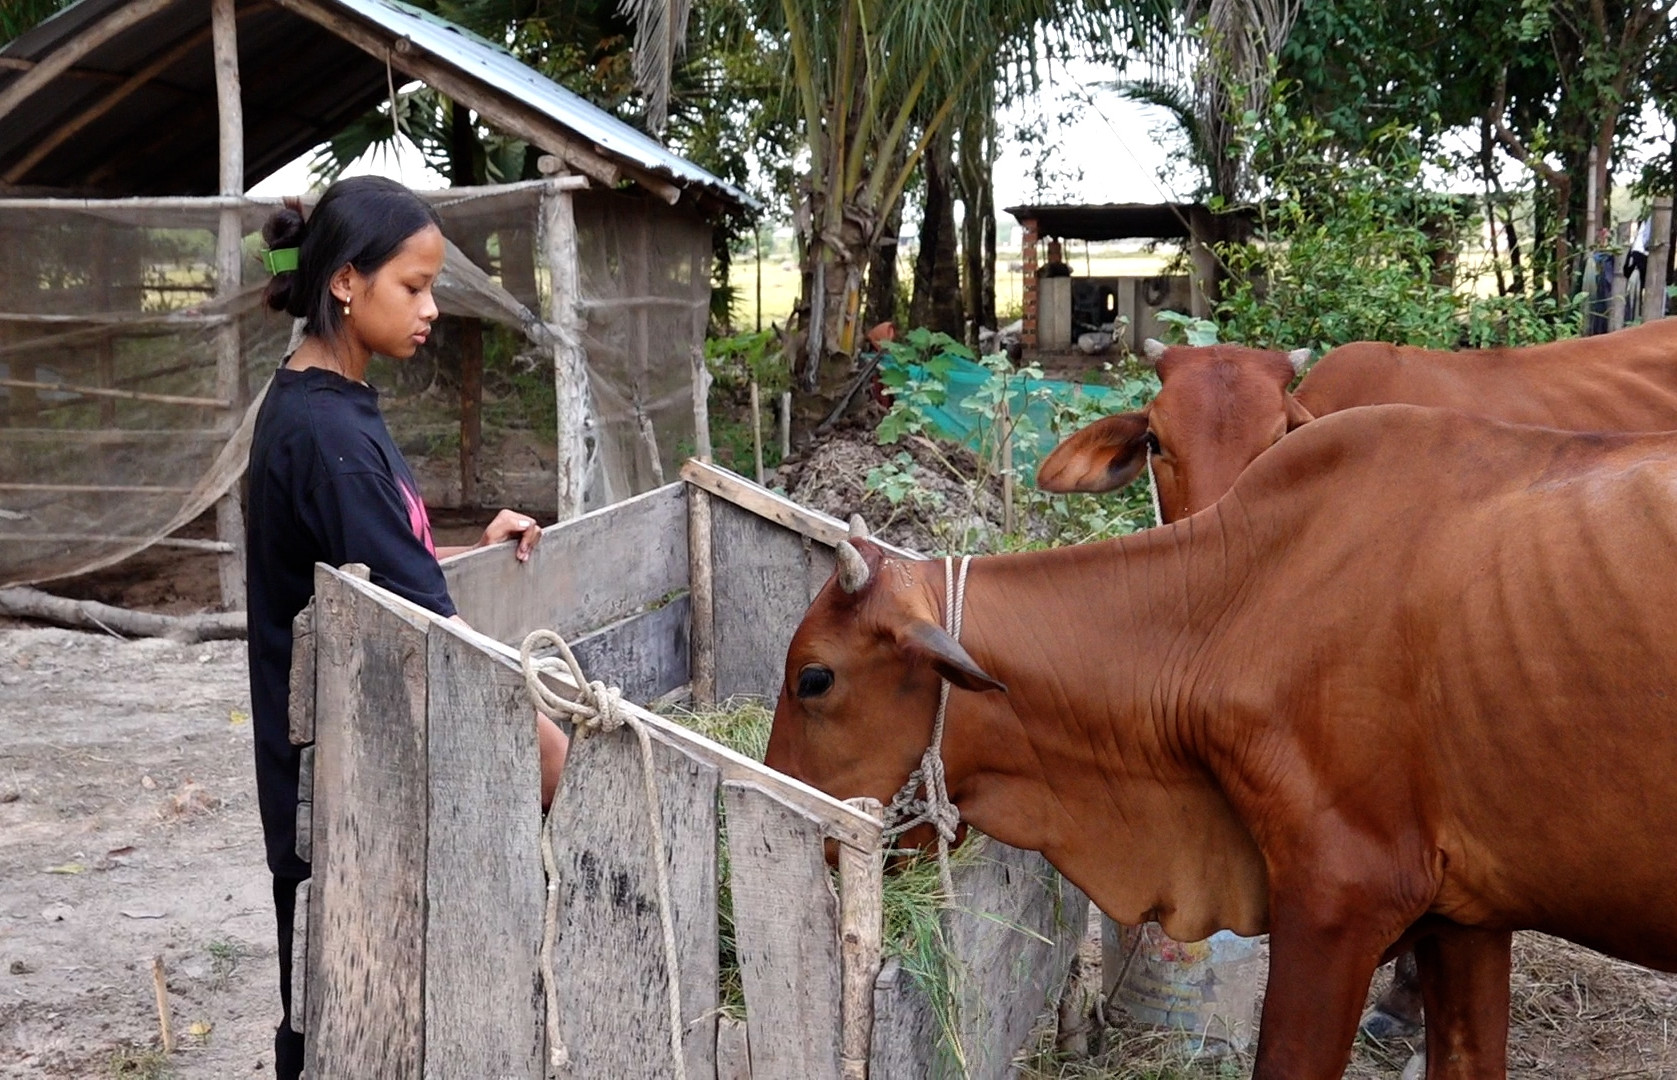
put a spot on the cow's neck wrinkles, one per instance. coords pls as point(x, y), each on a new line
point(1096, 746)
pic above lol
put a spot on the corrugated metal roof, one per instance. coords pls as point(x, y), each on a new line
point(301, 84)
point(495, 66)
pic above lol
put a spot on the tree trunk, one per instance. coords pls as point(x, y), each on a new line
point(975, 165)
point(937, 276)
point(880, 304)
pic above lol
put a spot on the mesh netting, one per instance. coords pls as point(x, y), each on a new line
point(116, 427)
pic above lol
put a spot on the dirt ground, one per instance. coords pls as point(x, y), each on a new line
point(128, 831)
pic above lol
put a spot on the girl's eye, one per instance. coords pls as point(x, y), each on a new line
point(814, 680)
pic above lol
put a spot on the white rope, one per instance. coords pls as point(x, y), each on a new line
point(599, 708)
point(1153, 490)
point(908, 810)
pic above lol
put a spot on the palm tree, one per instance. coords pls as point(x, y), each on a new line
point(874, 84)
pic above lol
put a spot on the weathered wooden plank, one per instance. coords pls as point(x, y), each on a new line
point(644, 655)
point(301, 700)
point(762, 580)
point(366, 941)
point(585, 573)
point(305, 803)
point(1015, 926)
point(771, 506)
point(300, 960)
point(1005, 975)
point(608, 957)
point(786, 933)
point(905, 1030)
point(485, 894)
point(844, 823)
point(733, 1053)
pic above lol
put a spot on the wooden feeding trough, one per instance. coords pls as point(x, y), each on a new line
point(421, 936)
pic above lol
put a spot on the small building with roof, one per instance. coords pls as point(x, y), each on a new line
point(133, 342)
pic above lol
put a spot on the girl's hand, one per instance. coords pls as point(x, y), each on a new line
point(509, 524)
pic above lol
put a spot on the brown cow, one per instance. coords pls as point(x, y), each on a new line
point(1220, 406)
point(1440, 717)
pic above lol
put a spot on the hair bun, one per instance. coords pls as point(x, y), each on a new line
point(285, 228)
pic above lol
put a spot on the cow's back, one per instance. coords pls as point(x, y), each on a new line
point(1625, 381)
point(1491, 651)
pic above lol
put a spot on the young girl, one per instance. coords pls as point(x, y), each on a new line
point(328, 485)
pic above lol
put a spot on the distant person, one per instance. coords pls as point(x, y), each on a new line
point(1636, 265)
point(1056, 266)
point(328, 485)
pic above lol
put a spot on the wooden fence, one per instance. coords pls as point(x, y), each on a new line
point(420, 934)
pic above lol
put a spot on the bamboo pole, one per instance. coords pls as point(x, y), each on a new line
point(1659, 252)
point(181, 543)
point(97, 489)
point(785, 425)
point(229, 370)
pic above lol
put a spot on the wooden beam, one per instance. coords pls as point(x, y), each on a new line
point(37, 77)
point(126, 395)
point(777, 508)
point(407, 57)
point(570, 361)
point(103, 538)
point(98, 489)
point(104, 105)
point(229, 371)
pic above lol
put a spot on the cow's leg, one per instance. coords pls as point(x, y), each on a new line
point(1464, 982)
point(1397, 1015)
point(1320, 966)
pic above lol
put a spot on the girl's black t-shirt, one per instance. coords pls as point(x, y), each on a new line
point(326, 484)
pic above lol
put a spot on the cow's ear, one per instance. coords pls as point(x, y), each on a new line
point(931, 643)
point(1297, 415)
point(1104, 456)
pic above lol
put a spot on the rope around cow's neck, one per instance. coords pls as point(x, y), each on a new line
point(1153, 490)
point(907, 810)
point(599, 708)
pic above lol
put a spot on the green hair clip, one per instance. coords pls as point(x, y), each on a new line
point(283, 261)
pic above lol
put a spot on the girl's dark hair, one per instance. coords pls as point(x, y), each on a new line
point(360, 222)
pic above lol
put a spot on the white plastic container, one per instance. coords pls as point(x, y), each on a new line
point(1211, 989)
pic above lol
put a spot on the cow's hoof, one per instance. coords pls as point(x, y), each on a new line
point(1382, 1026)
point(1417, 1067)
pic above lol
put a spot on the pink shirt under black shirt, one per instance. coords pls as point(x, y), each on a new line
point(328, 485)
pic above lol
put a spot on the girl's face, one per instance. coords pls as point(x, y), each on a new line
point(391, 311)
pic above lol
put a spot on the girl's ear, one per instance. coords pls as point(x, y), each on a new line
point(340, 283)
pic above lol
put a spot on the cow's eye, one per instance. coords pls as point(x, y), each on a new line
point(814, 680)
point(1153, 443)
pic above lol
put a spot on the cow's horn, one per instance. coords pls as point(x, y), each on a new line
point(1298, 358)
point(852, 570)
point(1152, 351)
point(858, 527)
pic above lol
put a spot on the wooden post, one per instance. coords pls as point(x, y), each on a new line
point(701, 405)
point(861, 943)
point(1007, 468)
point(471, 405)
point(570, 360)
point(229, 370)
point(700, 575)
point(1616, 296)
point(1659, 253)
point(757, 431)
point(785, 425)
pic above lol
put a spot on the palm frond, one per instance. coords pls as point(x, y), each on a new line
point(660, 36)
